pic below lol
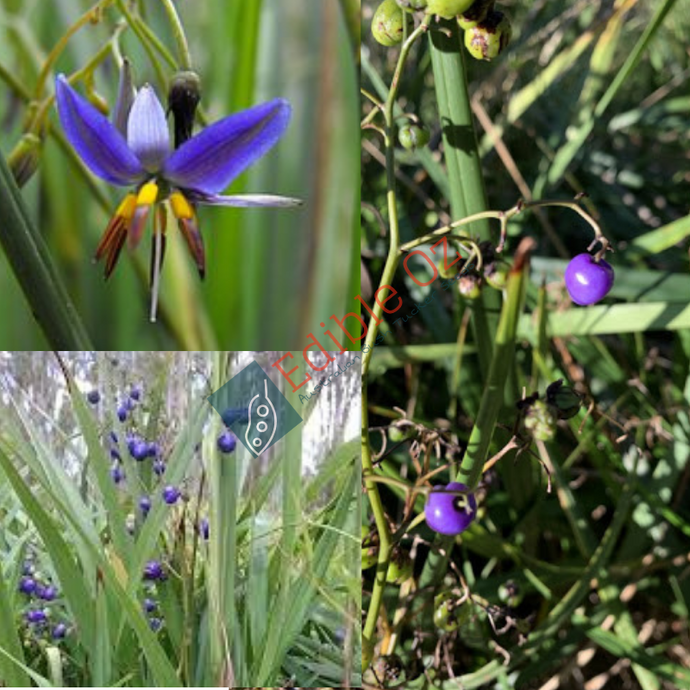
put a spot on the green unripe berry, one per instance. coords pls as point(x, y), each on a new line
point(448, 614)
point(564, 401)
point(475, 14)
point(448, 8)
point(496, 275)
point(468, 286)
point(539, 421)
point(412, 137)
point(396, 434)
point(509, 593)
point(387, 24)
point(412, 5)
point(400, 568)
point(370, 548)
point(488, 38)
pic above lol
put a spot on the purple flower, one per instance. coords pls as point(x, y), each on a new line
point(122, 413)
point(27, 585)
point(135, 392)
point(136, 152)
point(145, 505)
point(59, 631)
point(35, 616)
point(159, 467)
point(171, 494)
point(226, 442)
point(47, 593)
point(153, 450)
point(153, 570)
point(117, 474)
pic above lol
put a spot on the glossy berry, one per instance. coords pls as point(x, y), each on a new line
point(587, 280)
point(139, 450)
point(448, 8)
point(412, 136)
point(35, 616)
point(153, 450)
point(135, 392)
point(117, 474)
point(150, 605)
point(145, 505)
point(159, 467)
point(122, 413)
point(171, 494)
point(27, 585)
point(47, 593)
point(94, 397)
point(488, 38)
point(153, 570)
point(226, 442)
point(448, 513)
point(59, 631)
point(204, 528)
point(155, 624)
point(387, 24)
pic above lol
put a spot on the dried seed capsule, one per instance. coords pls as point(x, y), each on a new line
point(475, 14)
point(448, 8)
point(488, 38)
point(387, 24)
point(412, 137)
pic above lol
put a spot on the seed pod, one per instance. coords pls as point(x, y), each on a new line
point(564, 401)
point(412, 5)
point(24, 158)
point(448, 8)
point(387, 24)
point(412, 137)
point(475, 14)
point(184, 95)
point(370, 548)
point(539, 421)
point(488, 38)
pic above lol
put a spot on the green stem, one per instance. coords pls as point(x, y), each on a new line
point(33, 268)
point(178, 32)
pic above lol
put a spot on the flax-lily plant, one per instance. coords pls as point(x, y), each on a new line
point(134, 150)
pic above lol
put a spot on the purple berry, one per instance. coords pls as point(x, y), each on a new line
point(226, 442)
point(115, 454)
point(48, 593)
point(145, 505)
point(155, 624)
point(153, 570)
point(159, 467)
point(122, 413)
point(94, 397)
point(171, 494)
point(135, 392)
point(139, 450)
point(448, 513)
point(150, 605)
point(153, 450)
point(35, 616)
point(27, 585)
point(113, 437)
point(203, 528)
point(59, 631)
point(587, 280)
point(117, 474)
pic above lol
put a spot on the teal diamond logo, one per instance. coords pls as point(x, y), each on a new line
point(254, 409)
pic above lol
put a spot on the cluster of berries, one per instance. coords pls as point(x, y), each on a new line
point(38, 615)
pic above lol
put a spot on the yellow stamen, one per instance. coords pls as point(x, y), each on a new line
point(126, 208)
point(180, 206)
point(147, 194)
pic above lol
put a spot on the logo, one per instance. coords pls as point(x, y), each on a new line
point(254, 409)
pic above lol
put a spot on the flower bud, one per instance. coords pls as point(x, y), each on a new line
point(488, 38)
point(539, 421)
point(24, 158)
point(475, 14)
point(564, 400)
point(412, 137)
point(448, 8)
point(184, 95)
point(387, 24)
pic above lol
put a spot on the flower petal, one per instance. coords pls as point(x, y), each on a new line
point(209, 161)
point(245, 200)
point(125, 97)
point(94, 138)
point(147, 130)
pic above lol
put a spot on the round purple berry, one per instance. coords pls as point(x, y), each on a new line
point(203, 528)
point(150, 605)
point(47, 593)
point(139, 450)
point(27, 585)
point(153, 450)
point(115, 454)
point(153, 570)
point(171, 494)
point(59, 631)
point(117, 474)
point(145, 505)
point(588, 281)
point(155, 624)
point(94, 397)
point(159, 467)
point(35, 616)
point(122, 413)
point(135, 392)
point(450, 513)
point(226, 442)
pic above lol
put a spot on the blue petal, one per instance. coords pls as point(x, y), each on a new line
point(94, 138)
point(147, 130)
point(125, 97)
point(245, 200)
point(209, 161)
